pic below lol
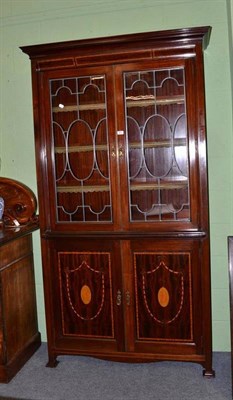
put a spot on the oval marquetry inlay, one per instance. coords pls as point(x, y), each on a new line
point(163, 296)
point(86, 294)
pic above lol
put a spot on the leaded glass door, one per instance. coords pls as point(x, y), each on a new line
point(157, 140)
point(83, 150)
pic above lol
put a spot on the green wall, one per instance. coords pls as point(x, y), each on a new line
point(25, 22)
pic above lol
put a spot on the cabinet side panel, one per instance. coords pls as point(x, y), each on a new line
point(19, 301)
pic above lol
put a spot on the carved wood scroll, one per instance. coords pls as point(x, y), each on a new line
point(20, 203)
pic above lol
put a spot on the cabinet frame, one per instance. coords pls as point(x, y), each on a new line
point(113, 55)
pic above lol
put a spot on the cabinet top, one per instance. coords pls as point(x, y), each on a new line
point(175, 37)
point(9, 234)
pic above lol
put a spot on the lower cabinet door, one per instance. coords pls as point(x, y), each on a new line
point(86, 307)
point(128, 299)
point(167, 285)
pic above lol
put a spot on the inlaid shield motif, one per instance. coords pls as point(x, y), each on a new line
point(163, 293)
point(85, 291)
point(163, 285)
point(86, 294)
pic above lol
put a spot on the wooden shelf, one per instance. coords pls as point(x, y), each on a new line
point(131, 101)
point(145, 101)
point(82, 107)
point(82, 189)
point(80, 149)
point(135, 186)
point(132, 145)
point(155, 186)
point(158, 143)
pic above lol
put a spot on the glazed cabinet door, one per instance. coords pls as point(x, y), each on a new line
point(167, 291)
point(79, 164)
point(160, 184)
point(85, 284)
point(119, 145)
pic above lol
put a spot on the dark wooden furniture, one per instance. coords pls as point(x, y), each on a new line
point(121, 163)
point(19, 336)
point(230, 263)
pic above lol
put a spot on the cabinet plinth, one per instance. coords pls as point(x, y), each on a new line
point(123, 196)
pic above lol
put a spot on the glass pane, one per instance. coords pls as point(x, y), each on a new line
point(80, 136)
point(157, 145)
